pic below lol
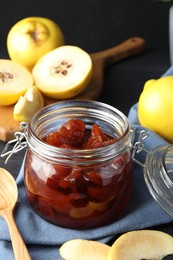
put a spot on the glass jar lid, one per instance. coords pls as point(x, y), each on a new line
point(158, 175)
point(157, 169)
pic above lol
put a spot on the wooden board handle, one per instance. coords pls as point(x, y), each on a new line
point(130, 47)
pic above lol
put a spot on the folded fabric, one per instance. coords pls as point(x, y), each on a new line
point(169, 72)
point(43, 239)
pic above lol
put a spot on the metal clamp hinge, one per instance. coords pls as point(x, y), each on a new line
point(138, 146)
point(20, 142)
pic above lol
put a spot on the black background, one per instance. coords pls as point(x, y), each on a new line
point(94, 24)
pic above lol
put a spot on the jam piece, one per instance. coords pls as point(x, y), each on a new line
point(53, 138)
point(96, 131)
point(94, 177)
point(74, 135)
point(70, 134)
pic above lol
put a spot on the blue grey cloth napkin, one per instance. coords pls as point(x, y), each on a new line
point(43, 239)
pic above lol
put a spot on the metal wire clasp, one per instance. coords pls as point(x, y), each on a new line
point(20, 142)
point(137, 145)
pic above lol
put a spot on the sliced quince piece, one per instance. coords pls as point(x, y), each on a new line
point(100, 206)
point(81, 249)
point(64, 72)
point(81, 212)
point(28, 104)
point(14, 81)
point(141, 244)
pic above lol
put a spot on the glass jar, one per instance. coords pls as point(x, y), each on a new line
point(81, 188)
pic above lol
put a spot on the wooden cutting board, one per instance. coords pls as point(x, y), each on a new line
point(102, 59)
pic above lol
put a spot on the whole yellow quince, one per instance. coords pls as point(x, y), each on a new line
point(155, 106)
point(31, 38)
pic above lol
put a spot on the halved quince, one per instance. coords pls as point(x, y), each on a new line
point(64, 72)
point(14, 81)
point(28, 104)
point(84, 250)
point(141, 244)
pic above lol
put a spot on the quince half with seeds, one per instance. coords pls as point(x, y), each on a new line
point(81, 249)
point(15, 79)
point(141, 244)
point(63, 73)
point(28, 104)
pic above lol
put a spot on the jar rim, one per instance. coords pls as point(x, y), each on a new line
point(34, 141)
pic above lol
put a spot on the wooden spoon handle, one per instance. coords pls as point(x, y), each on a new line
point(124, 50)
point(19, 247)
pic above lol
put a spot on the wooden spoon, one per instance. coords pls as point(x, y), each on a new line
point(9, 195)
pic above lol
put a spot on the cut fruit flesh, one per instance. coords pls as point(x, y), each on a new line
point(28, 104)
point(14, 81)
point(79, 213)
point(64, 72)
point(84, 250)
point(141, 244)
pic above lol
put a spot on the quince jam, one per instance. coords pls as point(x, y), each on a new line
point(78, 194)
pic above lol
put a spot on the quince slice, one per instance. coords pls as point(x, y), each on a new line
point(28, 104)
point(100, 206)
point(81, 212)
point(14, 81)
point(141, 244)
point(84, 250)
point(64, 72)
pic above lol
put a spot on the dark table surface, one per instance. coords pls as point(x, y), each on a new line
point(123, 84)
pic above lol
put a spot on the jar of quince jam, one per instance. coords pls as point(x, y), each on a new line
point(78, 171)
